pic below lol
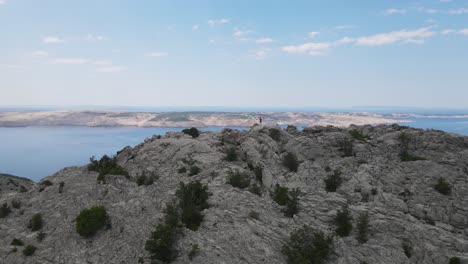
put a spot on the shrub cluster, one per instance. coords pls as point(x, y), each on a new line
point(333, 181)
point(193, 252)
point(363, 228)
point(194, 170)
point(16, 242)
point(192, 132)
point(343, 222)
point(275, 134)
point(146, 179)
point(231, 155)
point(161, 243)
point(284, 197)
point(46, 183)
point(346, 146)
point(91, 220)
point(106, 166)
point(193, 199)
point(290, 161)
point(454, 260)
point(405, 139)
point(357, 135)
point(29, 250)
point(238, 179)
point(36, 222)
point(306, 245)
point(443, 187)
point(5, 210)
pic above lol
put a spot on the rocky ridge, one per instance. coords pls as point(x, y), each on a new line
point(399, 196)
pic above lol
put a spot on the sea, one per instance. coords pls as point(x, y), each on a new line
point(37, 152)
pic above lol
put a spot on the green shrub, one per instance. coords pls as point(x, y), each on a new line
point(29, 250)
point(405, 139)
point(291, 129)
point(192, 132)
point(193, 252)
point(409, 157)
point(343, 222)
point(193, 199)
point(145, 179)
point(307, 246)
point(16, 242)
point(280, 195)
point(333, 181)
point(40, 236)
point(161, 243)
point(255, 189)
point(238, 179)
point(14, 250)
point(91, 220)
point(363, 228)
point(407, 248)
point(346, 146)
point(36, 222)
point(4, 210)
point(182, 170)
point(258, 171)
point(231, 155)
point(292, 205)
point(454, 260)
point(275, 134)
point(290, 161)
point(357, 135)
point(194, 170)
point(443, 187)
point(106, 166)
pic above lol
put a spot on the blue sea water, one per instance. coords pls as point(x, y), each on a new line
point(37, 152)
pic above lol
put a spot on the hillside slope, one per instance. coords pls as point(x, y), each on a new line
point(409, 220)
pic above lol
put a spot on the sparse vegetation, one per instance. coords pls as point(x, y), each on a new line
point(231, 155)
point(280, 195)
point(192, 132)
point(106, 166)
point(333, 181)
point(308, 246)
point(36, 222)
point(363, 228)
point(454, 260)
point(40, 236)
point(346, 146)
point(407, 248)
point(182, 170)
point(443, 187)
point(357, 135)
point(47, 183)
point(290, 161)
point(4, 210)
point(161, 243)
point(145, 179)
point(17, 242)
point(291, 128)
point(275, 134)
point(192, 201)
point(343, 222)
point(194, 170)
point(193, 252)
point(290, 199)
point(29, 250)
point(238, 179)
point(405, 155)
point(91, 220)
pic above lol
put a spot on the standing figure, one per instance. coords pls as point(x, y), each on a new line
point(260, 119)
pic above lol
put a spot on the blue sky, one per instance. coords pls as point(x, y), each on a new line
point(234, 53)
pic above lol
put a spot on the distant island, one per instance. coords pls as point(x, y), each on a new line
point(188, 119)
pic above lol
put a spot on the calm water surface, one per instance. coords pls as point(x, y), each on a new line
point(37, 152)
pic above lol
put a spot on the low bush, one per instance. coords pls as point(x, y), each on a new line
point(290, 199)
point(443, 187)
point(231, 155)
point(17, 242)
point(192, 132)
point(363, 228)
point(145, 179)
point(280, 195)
point(454, 260)
point(407, 248)
point(182, 170)
point(290, 161)
point(275, 134)
point(40, 236)
point(238, 179)
point(333, 181)
point(91, 220)
point(357, 135)
point(36, 222)
point(106, 166)
point(346, 146)
point(161, 243)
point(192, 200)
point(46, 183)
point(29, 250)
point(343, 222)
point(4, 210)
point(405, 155)
point(193, 252)
point(194, 170)
point(308, 246)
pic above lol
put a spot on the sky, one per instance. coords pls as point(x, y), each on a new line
point(243, 53)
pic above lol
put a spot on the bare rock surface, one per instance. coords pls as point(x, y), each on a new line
point(400, 198)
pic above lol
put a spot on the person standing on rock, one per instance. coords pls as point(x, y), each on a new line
point(260, 119)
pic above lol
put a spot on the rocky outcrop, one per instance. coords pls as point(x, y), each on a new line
point(11, 183)
point(403, 206)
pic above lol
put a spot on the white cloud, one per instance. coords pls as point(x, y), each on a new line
point(311, 48)
point(157, 54)
point(455, 32)
point(394, 11)
point(262, 53)
point(111, 69)
point(40, 53)
point(52, 40)
point(313, 34)
point(406, 36)
point(241, 33)
point(343, 27)
point(101, 62)
point(69, 61)
point(93, 38)
point(459, 11)
point(264, 40)
point(221, 21)
point(195, 27)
